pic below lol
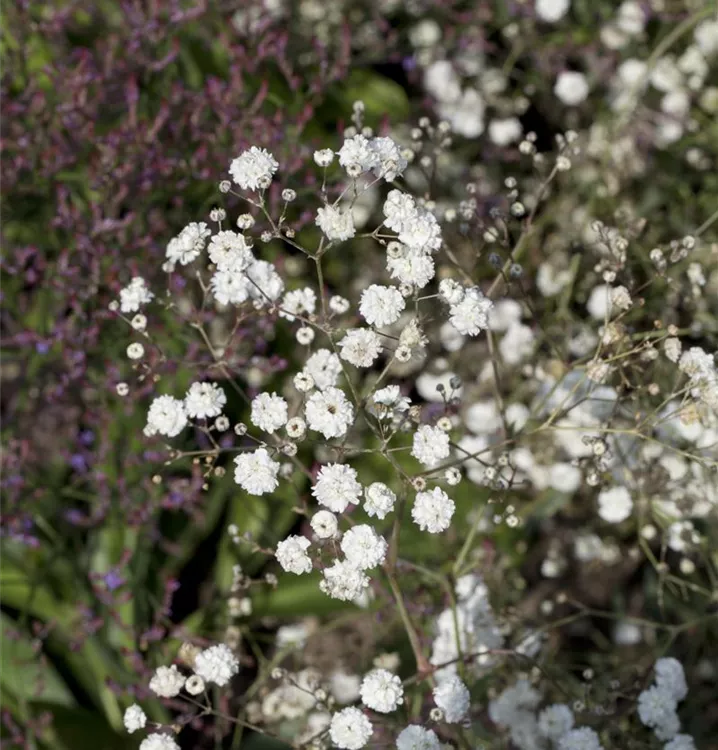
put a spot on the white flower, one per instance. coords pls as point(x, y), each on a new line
point(580, 739)
point(167, 682)
point(360, 347)
point(514, 702)
point(256, 472)
point(230, 287)
point(343, 581)
point(552, 10)
point(135, 350)
point(324, 367)
point(400, 210)
point(324, 524)
point(329, 412)
point(264, 284)
point(363, 547)
point(204, 400)
point(292, 556)
point(381, 305)
point(296, 428)
point(614, 504)
point(656, 704)
point(136, 294)
point(681, 535)
point(706, 36)
point(188, 244)
point(298, 302)
point(195, 684)
point(505, 131)
point(269, 412)
point(344, 687)
point(324, 157)
point(433, 510)
point(681, 742)
point(415, 737)
point(451, 291)
point(229, 251)
point(336, 224)
point(338, 304)
point(382, 691)
point(555, 721)
point(470, 316)
point(378, 500)
point(166, 416)
point(159, 742)
point(391, 397)
point(412, 266)
point(216, 664)
point(390, 161)
point(453, 698)
point(466, 114)
point(517, 344)
point(430, 445)
point(350, 729)
point(571, 87)
point(253, 169)
point(337, 487)
point(357, 151)
point(671, 677)
point(599, 302)
point(422, 233)
point(134, 718)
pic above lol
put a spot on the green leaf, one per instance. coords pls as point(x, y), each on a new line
point(25, 676)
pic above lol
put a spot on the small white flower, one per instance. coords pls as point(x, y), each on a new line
point(216, 664)
point(296, 428)
point(337, 487)
point(323, 157)
point(470, 316)
point(378, 500)
point(324, 368)
point(256, 472)
point(204, 400)
point(415, 737)
point(135, 350)
point(134, 719)
point(324, 524)
point(451, 291)
point(269, 412)
point(298, 302)
point(614, 504)
point(363, 547)
point(655, 705)
point(350, 729)
point(292, 555)
point(338, 305)
point(136, 294)
point(552, 10)
point(167, 682)
point(453, 698)
point(160, 741)
point(229, 252)
point(188, 244)
point(580, 739)
point(166, 416)
point(430, 445)
point(194, 685)
point(433, 510)
point(571, 87)
point(671, 677)
point(381, 305)
point(253, 169)
point(360, 347)
point(382, 691)
point(336, 224)
point(555, 721)
point(329, 412)
point(344, 581)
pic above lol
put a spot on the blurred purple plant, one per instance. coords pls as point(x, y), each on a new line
point(114, 113)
